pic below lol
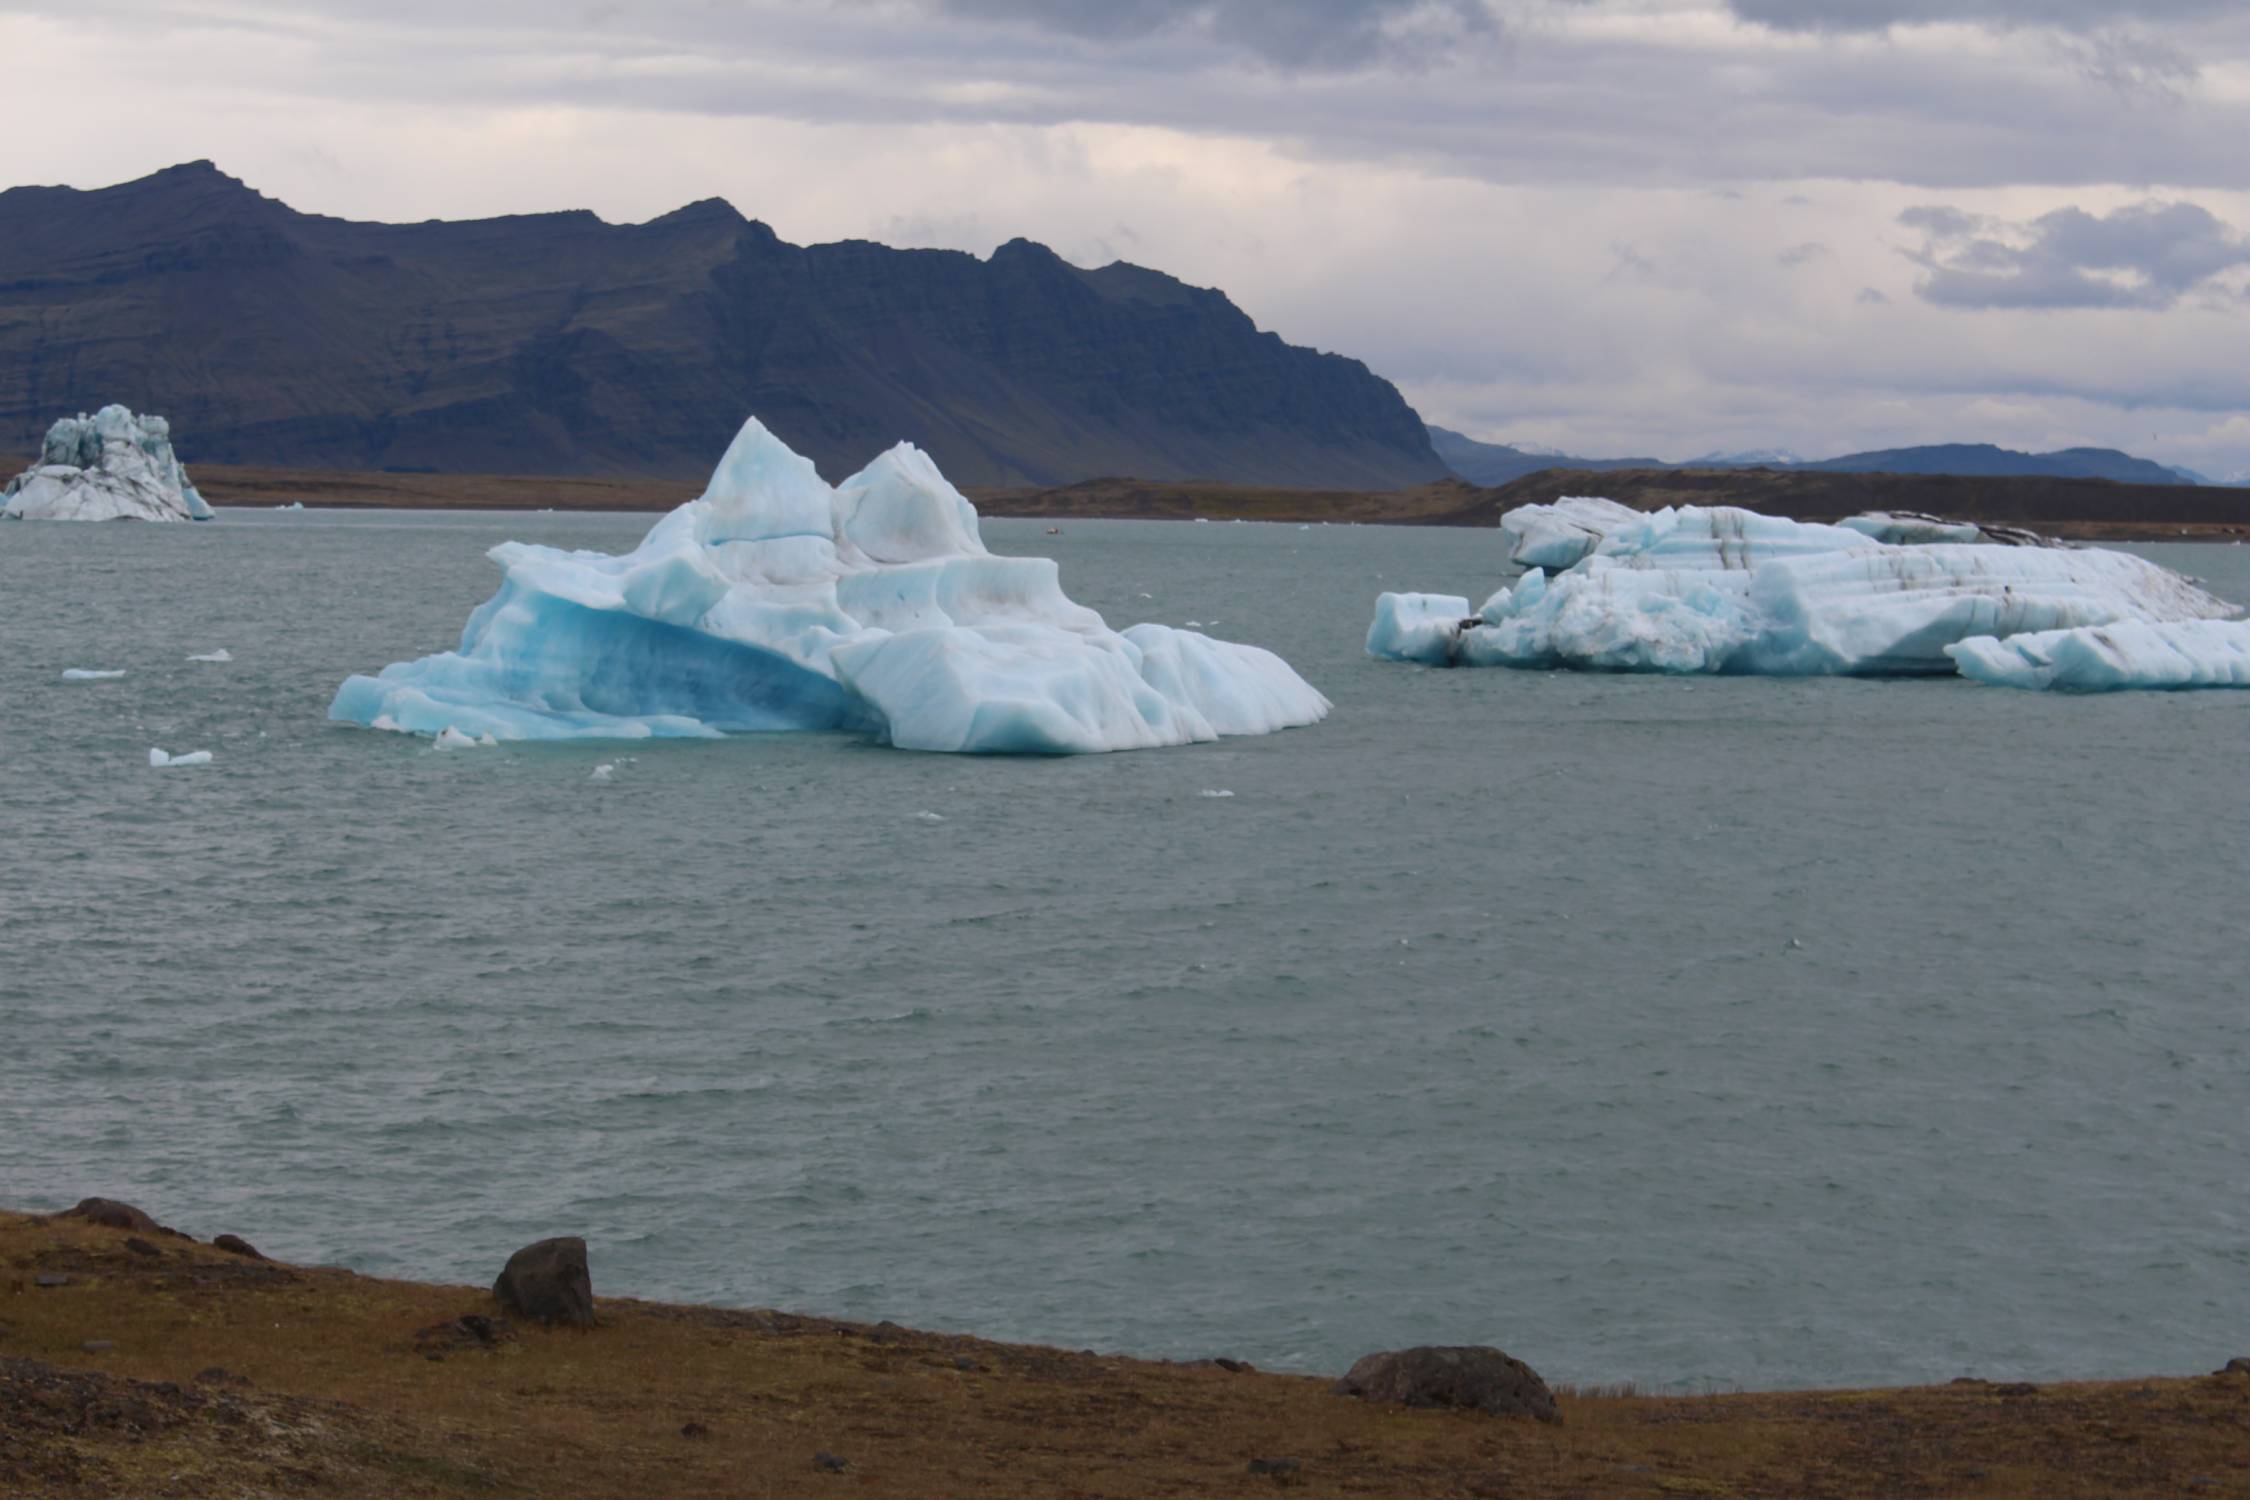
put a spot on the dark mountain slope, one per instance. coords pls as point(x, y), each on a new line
point(558, 343)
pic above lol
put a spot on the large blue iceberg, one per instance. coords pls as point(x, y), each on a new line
point(1729, 590)
point(775, 602)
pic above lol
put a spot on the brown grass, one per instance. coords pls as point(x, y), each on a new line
point(349, 1393)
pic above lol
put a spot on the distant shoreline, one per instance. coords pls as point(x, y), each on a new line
point(146, 1362)
point(2083, 510)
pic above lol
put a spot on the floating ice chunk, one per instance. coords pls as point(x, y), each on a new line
point(157, 758)
point(772, 602)
point(111, 466)
point(2104, 658)
point(292, 505)
point(1558, 535)
point(222, 654)
point(388, 724)
point(1727, 590)
point(1214, 791)
point(603, 771)
point(1417, 627)
point(91, 674)
point(450, 738)
point(929, 817)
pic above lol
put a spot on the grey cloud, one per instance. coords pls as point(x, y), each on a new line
point(1797, 255)
point(2146, 255)
point(1881, 15)
point(1308, 34)
point(1869, 297)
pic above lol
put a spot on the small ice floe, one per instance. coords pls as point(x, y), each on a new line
point(1148, 596)
point(159, 759)
point(90, 674)
point(1194, 625)
point(1214, 791)
point(1202, 520)
point(603, 772)
point(450, 738)
point(929, 817)
point(387, 724)
point(222, 654)
point(292, 505)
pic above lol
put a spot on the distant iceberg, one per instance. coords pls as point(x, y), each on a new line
point(111, 466)
point(2104, 658)
point(1729, 590)
point(774, 602)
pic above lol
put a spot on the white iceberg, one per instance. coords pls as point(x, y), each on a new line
point(2104, 658)
point(1728, 590)
point(111, 466)
point(1559, 535)
point(92, 674)
point(222, 654)
point(774, 602)
point(159, 759)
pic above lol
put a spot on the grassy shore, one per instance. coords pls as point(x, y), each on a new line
point(2082, 510)
point(150, 1365)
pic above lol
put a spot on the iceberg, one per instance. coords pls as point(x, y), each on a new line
point(2105, 658)
point(159, 759)
point(92, 674)
point(111, 466)
point(775, 602)
point(1729, 590)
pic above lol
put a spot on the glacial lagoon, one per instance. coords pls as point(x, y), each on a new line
point(1704, 1033)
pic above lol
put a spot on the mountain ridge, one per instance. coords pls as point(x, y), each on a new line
point(561, 343)
point(1485, 463)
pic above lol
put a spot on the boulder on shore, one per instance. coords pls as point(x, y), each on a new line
point(111, 466)
point(1471, 1377)
point(548, 1281)
point(111, 1214)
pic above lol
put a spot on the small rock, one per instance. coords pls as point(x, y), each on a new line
point(50, 1278)
point(963, 1362)
point(140, 1246)
point(1236, 1366)
point(1471, 1377)
point(1283, 1471)
point(549, 1281)
point(2235, 1366)
point(695, 1430)
point(98, 1346)
point(111, 1214)
point(469, 1331)
point(830, 1462)
point(235, 1244)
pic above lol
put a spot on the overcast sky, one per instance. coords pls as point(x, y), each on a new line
point(1613, 226)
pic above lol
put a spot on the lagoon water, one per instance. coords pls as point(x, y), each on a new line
point(1698, 1033)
